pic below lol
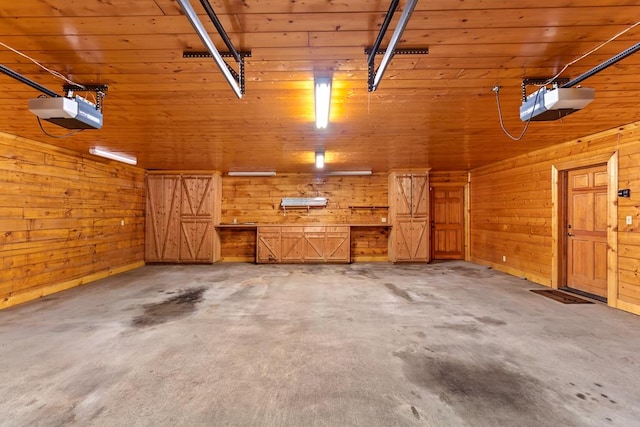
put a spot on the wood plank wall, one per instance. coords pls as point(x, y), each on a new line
point(257, 199)
point(511, 210)
point(60, 219)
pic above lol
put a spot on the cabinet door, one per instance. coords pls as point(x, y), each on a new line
point(410, 240)
point(338, 244)
point(411, 194)
point(315, 248)
point(197, 196)
point(420, 196)
point(402, 233)
point(419, 241)
point(402, 190)
point(162, 228)
point(268, 247)
point(196, 240)
point(293, 244)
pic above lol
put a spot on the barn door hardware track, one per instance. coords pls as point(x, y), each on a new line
point(375, 75)
point(235, 79)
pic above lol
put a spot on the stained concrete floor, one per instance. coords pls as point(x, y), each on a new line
point(447, 344)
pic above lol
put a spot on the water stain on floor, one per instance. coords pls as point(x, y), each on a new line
point(487, 389)
point(398, 292)
point(180, 305)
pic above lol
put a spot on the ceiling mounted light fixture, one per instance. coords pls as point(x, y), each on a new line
point(323, 101)
point(319, 159)
point(124, 158)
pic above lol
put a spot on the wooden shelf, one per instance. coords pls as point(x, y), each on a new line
point(238, 225)
point(369, 207)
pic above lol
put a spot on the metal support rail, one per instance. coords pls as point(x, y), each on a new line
point(37, 86)
point(235, 80)
point(375, 76)
point(604, 65)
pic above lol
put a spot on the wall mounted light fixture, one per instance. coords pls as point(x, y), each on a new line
point(124, 158)
point(323, 101)
point(319, 159)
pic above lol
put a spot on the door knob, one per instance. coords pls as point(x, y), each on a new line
point(570, 234)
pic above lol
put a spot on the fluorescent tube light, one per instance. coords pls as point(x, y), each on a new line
point(113, 156)
point(319, 160)
point(251, 173)
point(349, 173)
point(323, 101)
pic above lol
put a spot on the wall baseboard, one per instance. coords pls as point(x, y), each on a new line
point(32, 294)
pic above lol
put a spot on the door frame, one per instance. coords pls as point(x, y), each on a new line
point(559, 212)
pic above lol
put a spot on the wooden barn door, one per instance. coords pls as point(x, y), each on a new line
point(587, 230)
point(447, 223)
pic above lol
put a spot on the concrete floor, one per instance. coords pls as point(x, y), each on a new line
point(447, 344)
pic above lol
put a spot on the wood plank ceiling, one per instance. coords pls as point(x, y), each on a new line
point(434, 110)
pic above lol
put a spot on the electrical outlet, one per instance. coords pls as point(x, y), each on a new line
point(122, 222)
point(504, 258)
point(629, 220)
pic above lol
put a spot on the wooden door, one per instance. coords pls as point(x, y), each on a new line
point(411, 195)
point(196, 240)
point(419, 196)
point(197, 196)
point(587, 230)
point(315, 246)
point(403, 194)
point(162, 228)
point(196, 219)
point(411, 240)
point(447, 222)
point(269, 245)
point(293, 244)
point(419, 241)
point(338, 244)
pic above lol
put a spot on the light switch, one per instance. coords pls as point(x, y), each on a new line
point(629, 220)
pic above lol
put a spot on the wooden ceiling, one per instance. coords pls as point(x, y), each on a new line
point(435, 110)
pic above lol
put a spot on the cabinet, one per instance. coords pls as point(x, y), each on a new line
point(181, 212)
point(303, 244)
point(409, 216)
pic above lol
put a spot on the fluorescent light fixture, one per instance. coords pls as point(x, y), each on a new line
point(323, 101)
point(251, 173)
point(320, 160)
point(113, 156)
point(349, 173)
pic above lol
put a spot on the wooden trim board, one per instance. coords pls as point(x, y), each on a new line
point(48, 290)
